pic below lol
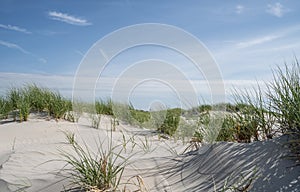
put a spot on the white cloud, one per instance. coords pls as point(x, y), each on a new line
point(239, 9)
point(276, 9)
point(64, 17)
point(257, 41)
point(15, 28)
point(13, 46)
point(19, 48)
point(42, 60)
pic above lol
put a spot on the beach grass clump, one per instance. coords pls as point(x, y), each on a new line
point(37, 97)
point(23, 104)
point(122, 112)
point(14, 96)
point(21, 101)
point(95, 119)
point(240, 126)
point(171, 121)
point(104, 107)
point(227, 132)
point(140, 117)
point(94, 171)
point(204, 108)
point(5, 108)
point(255, 112)
point(58, 105)
point(246, 125)
point(128, 114)
point(284, 94)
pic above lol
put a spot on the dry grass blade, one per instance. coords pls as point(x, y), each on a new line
point(139, 184)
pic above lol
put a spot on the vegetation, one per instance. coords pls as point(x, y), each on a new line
point(100, 171)
point(260, 115)
point(284, 94)
point(139, 116)
point(5, 108)
point(104, 107)
point(171, 121)
point(255, 114)
point(20, 102)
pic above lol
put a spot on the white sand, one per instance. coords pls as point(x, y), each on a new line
point(29, 154)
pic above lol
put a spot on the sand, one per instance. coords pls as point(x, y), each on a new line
point(30, 154)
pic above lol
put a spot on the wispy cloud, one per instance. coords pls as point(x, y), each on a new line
point(64, 17)
point(13, 46)
point(276, 9)
point(42, 60)
point(15, 28)
point(257, 41)
point(79, 53)
point(239, 9)
point(21, 49)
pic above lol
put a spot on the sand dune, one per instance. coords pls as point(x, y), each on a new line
point(30, 153)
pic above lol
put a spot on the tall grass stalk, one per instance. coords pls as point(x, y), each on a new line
point(58, 106)
point(36, 95)
point(254, 119)
point(284, 94)
point(23, 104)
point(13, 98)
point(104, 107)
point(96, 119)
point(210, 131)
point(100, 171)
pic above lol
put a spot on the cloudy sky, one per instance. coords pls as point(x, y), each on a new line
point(45, 41)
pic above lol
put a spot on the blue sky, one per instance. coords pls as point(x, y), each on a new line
point(44, 41)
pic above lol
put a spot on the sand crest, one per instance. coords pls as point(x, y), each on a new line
point(30, 153)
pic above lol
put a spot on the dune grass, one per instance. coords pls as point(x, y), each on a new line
point(104, 107)
point(171, 122)
point(284, 94)
point(20, 102)
point(98, 171)
point(5, 108)
point(167, 121)
point(252, 118)
point(253, 115)
point(258, 115)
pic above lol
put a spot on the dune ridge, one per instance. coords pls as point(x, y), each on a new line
point(29, 154)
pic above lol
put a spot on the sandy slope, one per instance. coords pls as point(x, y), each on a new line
point(29, 152)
